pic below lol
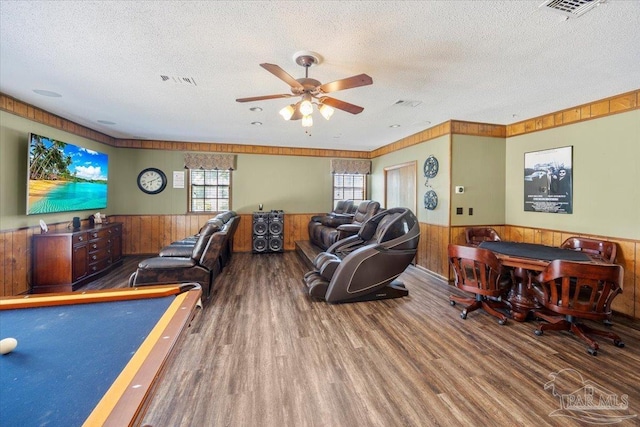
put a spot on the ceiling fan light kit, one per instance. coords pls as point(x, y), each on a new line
point(326, 111)
point(307, 121)
point(310, 89)
point(287, 112)
point(306, 107)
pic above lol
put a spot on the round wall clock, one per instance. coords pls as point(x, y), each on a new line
point(430, 167)
point(430, 200)
point(152, 181)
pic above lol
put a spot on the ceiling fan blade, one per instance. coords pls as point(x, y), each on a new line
point(262, 98)
point(341, 105)
point(348, 83)
point(282, 75)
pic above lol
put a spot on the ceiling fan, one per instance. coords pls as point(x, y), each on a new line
point(309, 89)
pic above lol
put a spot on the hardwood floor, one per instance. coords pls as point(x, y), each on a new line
point(262, 353)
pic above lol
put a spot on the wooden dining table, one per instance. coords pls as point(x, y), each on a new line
point(527, 259)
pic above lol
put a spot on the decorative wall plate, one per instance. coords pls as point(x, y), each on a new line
point(431, 167)
point(430, 200)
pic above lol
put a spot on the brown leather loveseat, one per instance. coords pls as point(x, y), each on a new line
point(331, 228)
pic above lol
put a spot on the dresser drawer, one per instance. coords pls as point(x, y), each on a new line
point(100, 265)
point(99, 254)
point(99, 234)
point(79, 238)
point(96, 245)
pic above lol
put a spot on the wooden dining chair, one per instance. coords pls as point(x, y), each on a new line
point(570, 291)
point(478, 271)
point(599, 249)
point(476, 235)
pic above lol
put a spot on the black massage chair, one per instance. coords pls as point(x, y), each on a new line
point(365, 266)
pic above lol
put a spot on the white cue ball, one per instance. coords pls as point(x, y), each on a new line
point(7, 345)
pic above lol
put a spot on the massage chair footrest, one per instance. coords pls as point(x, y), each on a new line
point(395, 289)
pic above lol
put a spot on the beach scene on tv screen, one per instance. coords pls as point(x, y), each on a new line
point(65, 177)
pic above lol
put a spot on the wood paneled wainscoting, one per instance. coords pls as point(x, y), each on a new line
point(15, 260)
point(146, 234)
point(628, 255)
point(432, 249)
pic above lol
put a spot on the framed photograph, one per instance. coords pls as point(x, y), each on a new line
point(548, 181)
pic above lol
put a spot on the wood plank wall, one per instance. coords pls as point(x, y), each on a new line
point(146, 234)
point(15, 254)
point(604, 107)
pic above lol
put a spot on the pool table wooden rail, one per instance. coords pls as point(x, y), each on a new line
point(126, 400)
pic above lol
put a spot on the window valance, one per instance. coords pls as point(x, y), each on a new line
point(362, 167)
point(209, 161)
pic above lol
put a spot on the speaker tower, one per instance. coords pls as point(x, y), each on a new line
point(260, 229)
point(268, 232)
point(276, 231)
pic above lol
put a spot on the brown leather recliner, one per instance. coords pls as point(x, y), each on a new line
point(338, 227)
point(227, 223)
point(384, 247)
point(344, 208)
point(201, 266)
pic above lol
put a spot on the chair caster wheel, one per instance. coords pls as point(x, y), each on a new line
point(452, 303)
point(463, 315)
point(502, 321)
point(592, 351)
point(538, 332)
point(618, 343)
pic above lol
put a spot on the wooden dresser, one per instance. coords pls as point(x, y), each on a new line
point(64, 261)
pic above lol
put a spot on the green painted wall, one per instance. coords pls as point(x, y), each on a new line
point(129, 200)
point(606, 176)
point(14, 134)
point(439, 147)
point(294, 184)
point(478, 166)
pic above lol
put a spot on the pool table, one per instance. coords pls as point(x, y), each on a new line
point(89, 358)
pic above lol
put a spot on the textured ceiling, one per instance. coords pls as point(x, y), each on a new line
point(484, 61)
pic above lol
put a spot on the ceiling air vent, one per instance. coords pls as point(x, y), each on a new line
point(407, 103)
point(570, 8)
point(189, 81)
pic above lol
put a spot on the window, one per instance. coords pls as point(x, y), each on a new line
point(349, 186)
point(210, 190)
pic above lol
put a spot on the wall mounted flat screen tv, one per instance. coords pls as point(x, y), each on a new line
point(64, 177)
